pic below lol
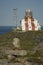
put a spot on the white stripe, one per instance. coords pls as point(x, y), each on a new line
point(29, 25)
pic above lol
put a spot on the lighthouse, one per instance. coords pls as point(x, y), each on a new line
point(28, 23)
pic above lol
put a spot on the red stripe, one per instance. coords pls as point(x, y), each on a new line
point(32, 23)
point(33, 26)
point(26, 26)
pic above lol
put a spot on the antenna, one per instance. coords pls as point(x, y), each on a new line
point(15, 15)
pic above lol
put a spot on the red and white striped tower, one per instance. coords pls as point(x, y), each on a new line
point(29, 23)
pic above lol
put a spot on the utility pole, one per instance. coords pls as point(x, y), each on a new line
point(15, 15)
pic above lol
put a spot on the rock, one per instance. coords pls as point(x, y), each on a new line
point(16, 52)
point(16, 63)
point(3, 62)
point(27, 63)
point(10, 57)
point(16, 42)
point(21, 59)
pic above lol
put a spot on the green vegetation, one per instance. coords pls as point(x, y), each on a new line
point(29, 41)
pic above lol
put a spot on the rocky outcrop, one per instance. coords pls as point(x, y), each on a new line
point(24, 49)
point(18, 56)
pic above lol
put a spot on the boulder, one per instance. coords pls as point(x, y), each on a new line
point(16, 42)
point(16, 52)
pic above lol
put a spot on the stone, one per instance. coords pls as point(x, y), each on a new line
point(15, 63)
point(21, 59)
point(10, 57)
point(16, 42)
point(3, 62)
point(16, 52)
point(27, 63)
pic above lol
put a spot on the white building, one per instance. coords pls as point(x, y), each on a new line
point(29, 23)
point(27, 26)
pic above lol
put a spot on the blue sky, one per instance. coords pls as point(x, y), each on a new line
point(7, 6)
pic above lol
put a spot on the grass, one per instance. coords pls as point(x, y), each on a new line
point(28, 40)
